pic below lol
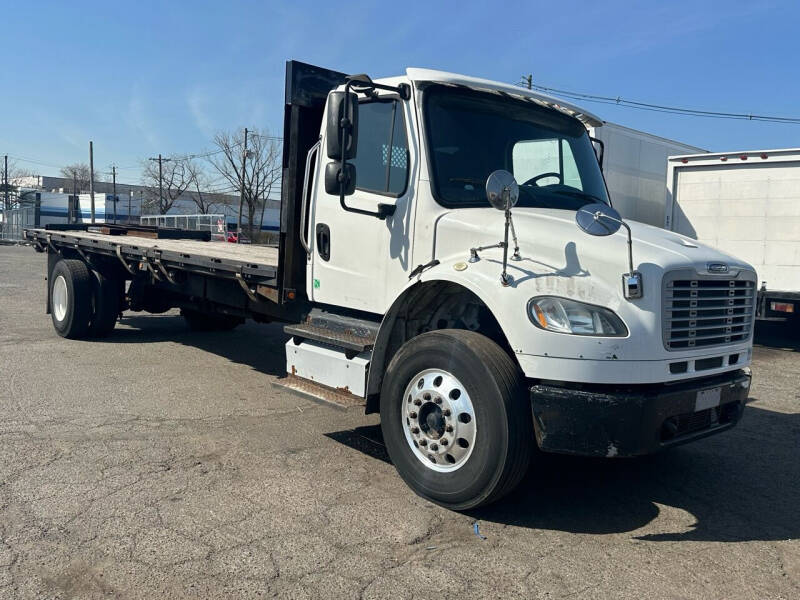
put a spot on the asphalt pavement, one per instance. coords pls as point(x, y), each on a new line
point(162, 463)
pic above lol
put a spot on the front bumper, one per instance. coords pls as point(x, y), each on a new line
point(609, 421)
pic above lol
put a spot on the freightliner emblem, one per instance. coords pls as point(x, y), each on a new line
point(717, 268)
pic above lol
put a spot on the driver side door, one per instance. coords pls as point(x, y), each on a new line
point(359, 261)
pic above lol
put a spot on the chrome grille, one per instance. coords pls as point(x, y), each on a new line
point(708, 312)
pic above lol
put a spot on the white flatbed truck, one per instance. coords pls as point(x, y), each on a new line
point(478, 334)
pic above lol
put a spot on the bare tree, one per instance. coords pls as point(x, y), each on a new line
point(262, 168)
point(162, 191)
point(199, 188)
point(15, 174)
point(79, 172)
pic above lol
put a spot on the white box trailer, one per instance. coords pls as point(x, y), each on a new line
point(635, 168)
point(747, 204)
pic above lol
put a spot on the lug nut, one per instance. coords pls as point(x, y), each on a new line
point(443, 441)
point(418, 402)
point(434, 447)
point(415, 430)
point(412, 414)
point(446, 412)
point(423, 442)
point(449, 429)
point(438, 400)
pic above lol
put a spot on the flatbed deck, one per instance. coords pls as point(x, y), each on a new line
point(258, 263)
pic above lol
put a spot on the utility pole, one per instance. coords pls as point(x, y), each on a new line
point(241, 191)
point(5, 187)
point(130, 197)
point(160, 180)
point(114, 188)
point(74, 197)
point(91, 176)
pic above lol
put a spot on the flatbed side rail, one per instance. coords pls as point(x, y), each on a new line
point(141, 257)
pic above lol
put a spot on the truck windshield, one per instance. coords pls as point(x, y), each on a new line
point(470, 134)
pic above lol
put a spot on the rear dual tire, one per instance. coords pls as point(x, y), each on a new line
point(461, 389)
point(83, 303)
point(106, 300)
point(71, 298)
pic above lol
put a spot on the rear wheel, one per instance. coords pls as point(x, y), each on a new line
point(70, 298)
point(455, 418)
point(106, 299)
point(202, 321)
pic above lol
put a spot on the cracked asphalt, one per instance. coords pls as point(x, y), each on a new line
point(161, 463)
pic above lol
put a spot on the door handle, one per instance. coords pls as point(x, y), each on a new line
point(324, 241)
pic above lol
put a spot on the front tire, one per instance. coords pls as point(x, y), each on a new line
point(70, 298)
point(455, 418)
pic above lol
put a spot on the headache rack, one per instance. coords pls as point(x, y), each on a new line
point(702, 311)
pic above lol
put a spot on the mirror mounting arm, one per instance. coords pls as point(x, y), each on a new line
point(473, 252)
point(632, 280)
point(359, 84)
point(601, 220)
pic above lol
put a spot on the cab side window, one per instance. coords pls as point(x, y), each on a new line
point(381, 160)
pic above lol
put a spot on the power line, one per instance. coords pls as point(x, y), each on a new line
point(34, 162)
point(619, 101)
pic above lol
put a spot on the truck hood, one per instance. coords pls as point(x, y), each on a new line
point(558, 257)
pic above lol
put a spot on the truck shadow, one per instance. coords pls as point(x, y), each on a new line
point(259, 346)
point(738, 486)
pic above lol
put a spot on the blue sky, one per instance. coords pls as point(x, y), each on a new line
point(148, 77)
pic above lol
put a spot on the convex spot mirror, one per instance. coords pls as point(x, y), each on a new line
point(598, 219)
point(502, 190)
point(337, 178)
point(337, 102)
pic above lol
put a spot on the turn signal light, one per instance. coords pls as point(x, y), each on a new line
point(540, 316)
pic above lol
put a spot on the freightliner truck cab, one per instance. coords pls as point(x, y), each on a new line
point(549, 322)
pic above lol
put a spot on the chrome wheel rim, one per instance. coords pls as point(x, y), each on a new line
point(60, 296)
point(438, 420)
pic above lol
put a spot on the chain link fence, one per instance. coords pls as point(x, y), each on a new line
point(213, 223)
point(15, 221)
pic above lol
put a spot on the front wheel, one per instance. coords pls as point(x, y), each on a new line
point(455, 418)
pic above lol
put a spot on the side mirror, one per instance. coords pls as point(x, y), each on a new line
point(601, 220)
point(337, 103)
point(502, 190)
point(338, 178)
point(598, 219)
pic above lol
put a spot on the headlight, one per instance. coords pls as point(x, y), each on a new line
point(567, 316)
